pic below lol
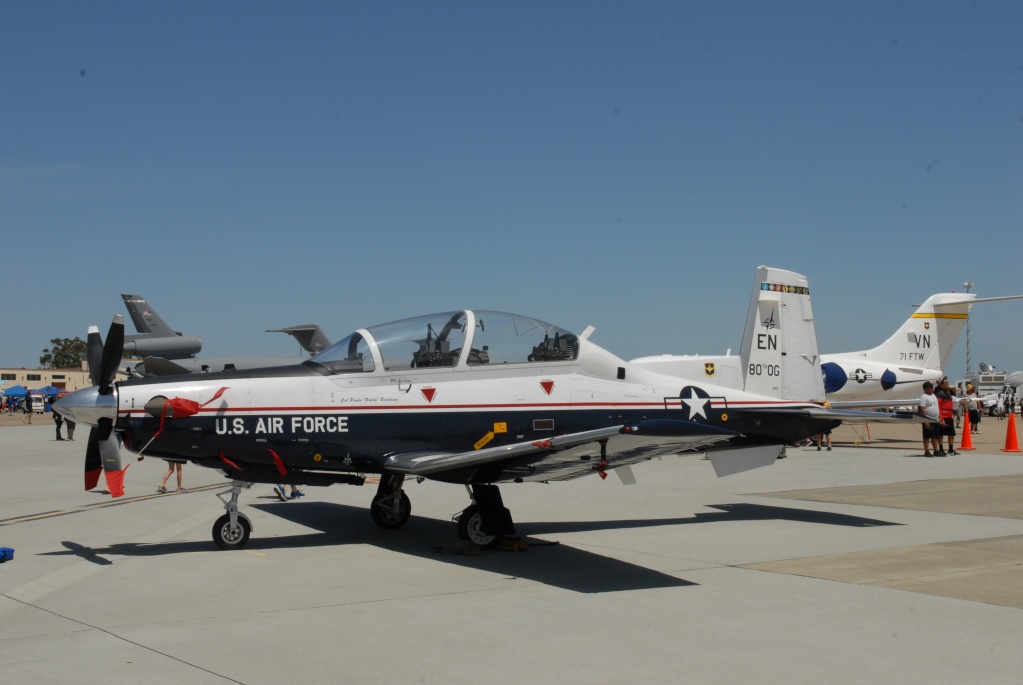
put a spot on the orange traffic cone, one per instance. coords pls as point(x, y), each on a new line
point(1011, 443)
point(967, 442)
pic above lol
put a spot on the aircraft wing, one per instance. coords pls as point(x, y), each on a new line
point(841, 414)
point(565, 457)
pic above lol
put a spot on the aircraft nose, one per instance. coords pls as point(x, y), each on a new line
point(88, 406)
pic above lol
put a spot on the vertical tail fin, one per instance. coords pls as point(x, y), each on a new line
point(779, 352)
point(145, 318)
point(928, 336)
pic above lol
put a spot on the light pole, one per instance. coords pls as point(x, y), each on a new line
point(968, 285)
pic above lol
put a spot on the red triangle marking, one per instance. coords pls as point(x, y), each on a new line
point(428, 393)
point(547, 386)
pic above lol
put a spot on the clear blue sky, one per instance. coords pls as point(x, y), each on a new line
point(252, 165)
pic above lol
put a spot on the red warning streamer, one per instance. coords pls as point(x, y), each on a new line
point(280, 464)
point(115, 482)
point(181, 408)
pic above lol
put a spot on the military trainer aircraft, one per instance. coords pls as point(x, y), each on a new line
point(469, 397)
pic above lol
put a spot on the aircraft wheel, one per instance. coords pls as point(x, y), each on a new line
point(231, 539)
point(470, 527)
point(385, 516)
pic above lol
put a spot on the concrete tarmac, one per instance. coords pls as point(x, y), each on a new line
point(866, 564)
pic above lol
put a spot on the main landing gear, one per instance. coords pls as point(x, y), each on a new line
point(484, 522)
point(391, 507)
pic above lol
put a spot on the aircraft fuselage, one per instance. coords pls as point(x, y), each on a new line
point(322, 424)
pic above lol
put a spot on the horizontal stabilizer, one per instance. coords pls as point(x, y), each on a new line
point(158, 366)
point(971, 300)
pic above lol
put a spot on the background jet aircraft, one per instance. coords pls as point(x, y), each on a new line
point(888, 375)
point(155, 338)
point(166, 352)
point(893, 373)
point(475, 398)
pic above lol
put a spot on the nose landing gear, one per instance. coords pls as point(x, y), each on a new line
point(231, 531)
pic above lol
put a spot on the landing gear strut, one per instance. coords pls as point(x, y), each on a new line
point(391, 507)
point(486, 520)
point(231, 531)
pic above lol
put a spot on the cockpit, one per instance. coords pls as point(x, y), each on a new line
point(448, 339)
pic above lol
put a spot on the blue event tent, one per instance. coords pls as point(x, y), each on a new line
point(16, 391)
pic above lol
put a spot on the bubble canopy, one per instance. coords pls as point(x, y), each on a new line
point(448, 339)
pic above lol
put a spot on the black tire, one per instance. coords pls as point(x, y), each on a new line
point(225, 538)
point(386, 518)
point(470, 527)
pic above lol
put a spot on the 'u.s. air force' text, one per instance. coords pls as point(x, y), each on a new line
point(282, 424)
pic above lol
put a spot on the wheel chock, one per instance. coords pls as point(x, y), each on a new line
point(512, 545)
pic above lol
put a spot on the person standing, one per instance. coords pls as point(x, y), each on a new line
point(27, 418)
point(57, 418)
point(927, 407)
point(973, 409)
point(946, 409)
point(295, 492)
point(826, 435)
point(172, 466)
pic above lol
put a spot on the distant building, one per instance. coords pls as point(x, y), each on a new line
point(67, 379)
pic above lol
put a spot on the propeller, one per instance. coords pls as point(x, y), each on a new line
point(103, 450)
point(109, 355)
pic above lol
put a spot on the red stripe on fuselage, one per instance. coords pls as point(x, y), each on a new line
point(517, 406)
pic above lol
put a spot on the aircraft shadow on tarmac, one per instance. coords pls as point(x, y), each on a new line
point(728, 512)
point(557, 565)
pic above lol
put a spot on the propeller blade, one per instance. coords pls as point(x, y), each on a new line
point(94, 353)
point(108, 452)
point(104, 427)
point(113, 350)
point(93, 461)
